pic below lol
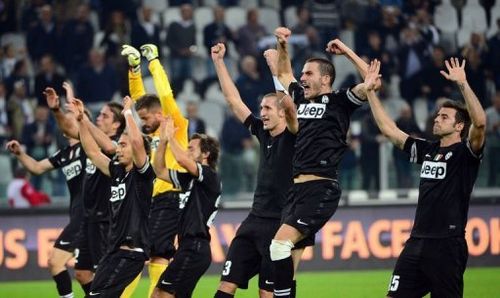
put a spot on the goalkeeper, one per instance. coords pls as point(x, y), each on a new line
point(151, 109)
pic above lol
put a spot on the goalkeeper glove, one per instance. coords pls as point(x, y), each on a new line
point(133, 56)
point(149, 51)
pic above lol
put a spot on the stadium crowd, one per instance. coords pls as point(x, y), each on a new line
point(44, 43)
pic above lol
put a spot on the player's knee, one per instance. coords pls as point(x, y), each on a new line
point(83, 276)
point(265, 294)
point(55, 264)
point(228, 287)
point(280, 249)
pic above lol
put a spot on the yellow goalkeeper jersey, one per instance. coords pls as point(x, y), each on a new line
point(169, 107)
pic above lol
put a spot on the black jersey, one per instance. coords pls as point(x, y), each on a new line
point(323, 125)
point(447, 177)
point(96, 191)
point(71, 160)
point(274, 176)
point(198, 202)
point(130, 202)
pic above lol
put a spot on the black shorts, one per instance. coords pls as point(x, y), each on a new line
point(70, 236)
point(115, 272)
point(430, 265)
point(92, 244)
point(190, 262)
point(163, 223)
point(249, 255)
point(310, 206)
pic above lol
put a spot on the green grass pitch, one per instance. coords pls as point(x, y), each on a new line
point(479, 282)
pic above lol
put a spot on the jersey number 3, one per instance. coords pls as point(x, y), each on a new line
point(227, 268)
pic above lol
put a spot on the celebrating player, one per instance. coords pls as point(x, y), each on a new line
point(202, 188)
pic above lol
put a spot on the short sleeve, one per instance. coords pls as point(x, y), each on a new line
point(146, 172)
point(254, 125)
point(56, 159)
point(416, 149)
point(208, 177)
point(115, 168)
point(474, 155)
point(296, 92)
point(180, 180)
point(348, 99)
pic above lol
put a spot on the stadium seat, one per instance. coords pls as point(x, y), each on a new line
point(202, 17)
point(249, 3)
point(446, 17)
point(213, 114)
point(495, 14)
point(474, 17)
point(236, 17)
point(158, 6)
point(291, 16)
point(18, 40)
point(463, 37)
point(187, 93)
point(172, 14)
point(269, 18)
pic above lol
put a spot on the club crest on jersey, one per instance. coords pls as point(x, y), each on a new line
point(311, 111)
point(448, 155)
point(72, 170)
point(154, 143)
point(90, 168)
point(118, 192)
point(433, 170)
point(438, 157)
point(325, 99)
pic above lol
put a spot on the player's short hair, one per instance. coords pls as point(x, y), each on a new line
point(116, 109)
point(148, 102)
point(461, 115)
point(208, 145)
point(273, 94)
point(325, 67)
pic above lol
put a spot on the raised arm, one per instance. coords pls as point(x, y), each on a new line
point(231, 94)
point(89, 145)
point(285, 72)
point(105, 143)
point(477, 131)
point(65, 121)
point(159, 165)
point(138, 151)
point(386, 125)
point(180, 154)
point(135, 85)
point(36, 167)
point(284, 101)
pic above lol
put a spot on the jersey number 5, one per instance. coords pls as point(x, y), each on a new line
point(393, 286)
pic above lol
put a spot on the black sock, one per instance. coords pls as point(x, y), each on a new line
point(63, 283)
point(283, 277)
point(293, 293)
point(86, 288)
point(221, 294)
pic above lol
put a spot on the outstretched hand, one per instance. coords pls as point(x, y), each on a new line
point(456, 71)
point(372, 77)
point(76, 107)
point(14, 147)
point(52, 98)
point(282, 34)
point(70, 94)
point(218, 51)
point(128, 103)
point(271, 56)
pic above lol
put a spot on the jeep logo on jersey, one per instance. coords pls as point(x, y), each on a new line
point(118, 192)
point(90, 168)
point(154, 143)
point(433, 170)
point(72, 170)
point(311, 111)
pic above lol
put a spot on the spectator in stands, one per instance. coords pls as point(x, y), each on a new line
point(477, 43)
point(216, 32)
point(21, 194)
point(250, 84)
point(37, 137)
point(196, 124)
point(390, 28)
point(181, 40)
point(96, 82)
point(433, 84)
point(144, 30)
point(476, 76)
point(116, 34)
point(375, 50)
point(304, 50)
point(493, 145)
point(20, 73)
point(250, 34)
point(349, 163)
point(404, 172)
point(427, 29)
point(78, 39)
point(43, 38)
point(370, 139)
point(20, 109)
point(47, 77)
point(30, 14)
point(413, 55)
point(235, 139)
point(4, 116)
point(8, 60)
point(326, 18)
point(493, 59)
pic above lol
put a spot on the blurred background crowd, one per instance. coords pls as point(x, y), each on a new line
point(43, 43)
